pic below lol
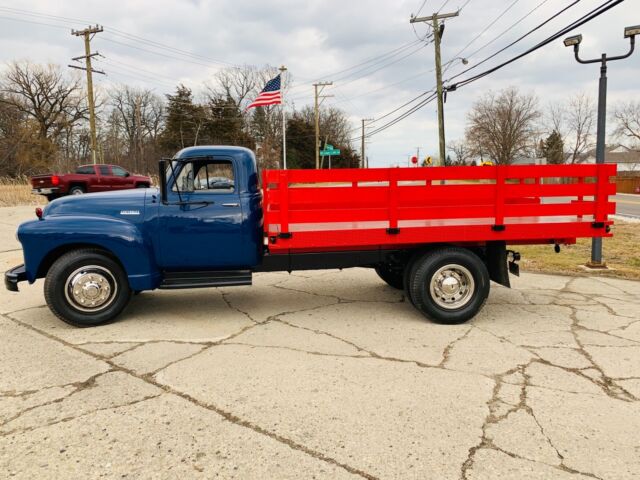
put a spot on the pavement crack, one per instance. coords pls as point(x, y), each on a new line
point(322, 332)
point(448, 349)
point(292, 349)
point(78, 387)
point(232, 307)
point(606, 384)
point(232, 418)
point(83, 414)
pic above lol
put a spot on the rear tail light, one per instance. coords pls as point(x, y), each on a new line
point(39, 213)
point(55, 180)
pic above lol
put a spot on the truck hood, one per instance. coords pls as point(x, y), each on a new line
point(125, 204)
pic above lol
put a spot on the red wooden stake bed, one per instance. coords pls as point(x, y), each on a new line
point(379, 208)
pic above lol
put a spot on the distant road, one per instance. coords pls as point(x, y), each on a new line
point(628, 204)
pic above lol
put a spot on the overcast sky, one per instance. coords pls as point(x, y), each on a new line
point(316, 38)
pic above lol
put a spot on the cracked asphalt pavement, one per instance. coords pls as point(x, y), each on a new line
point(325, 375)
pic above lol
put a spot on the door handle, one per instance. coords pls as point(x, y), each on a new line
point(230, 204)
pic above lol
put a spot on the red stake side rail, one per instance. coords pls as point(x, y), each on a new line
point(349, 209)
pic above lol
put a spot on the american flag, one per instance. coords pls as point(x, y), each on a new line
point(270, 94)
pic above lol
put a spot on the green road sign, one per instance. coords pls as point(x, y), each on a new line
point(329, 153)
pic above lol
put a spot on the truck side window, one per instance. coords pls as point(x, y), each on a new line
point(118, 171)
point(215, 176)
point(184, 181)
point(104, 170)
point(85, 170)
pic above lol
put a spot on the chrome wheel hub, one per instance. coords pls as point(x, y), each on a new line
point(452, 286)
point(91, 288)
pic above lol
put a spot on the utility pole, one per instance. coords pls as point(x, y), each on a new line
point(437, 38)
point(318, 88)
point(418, 155)
point(363, 160)
point(284, 118)
point(88, 33)
point(138, 132)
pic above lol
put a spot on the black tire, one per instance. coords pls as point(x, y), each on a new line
point(142, 185)
point(408, 272)
point(98, 272)
point(392, 276)
point(76, 190)
point(463, 296)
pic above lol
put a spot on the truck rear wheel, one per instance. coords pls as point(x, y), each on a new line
point(86, 288)
point(76, 190)
point(449, 285)
point(393, 276)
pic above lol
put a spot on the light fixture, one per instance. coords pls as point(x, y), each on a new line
point(572, 41)
point(632, 31)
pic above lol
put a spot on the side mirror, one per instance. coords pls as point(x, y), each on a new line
point(162, 176)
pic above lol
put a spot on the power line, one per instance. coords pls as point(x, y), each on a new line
point(522, 37)
point(424, 2)
point(581, 21)
point(443, 5)
point(487, 27)
point(369, 62)
point(528, 14)
point(114, 31)
point(596, 12)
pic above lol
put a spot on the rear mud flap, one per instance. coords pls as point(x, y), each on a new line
point(500, 262)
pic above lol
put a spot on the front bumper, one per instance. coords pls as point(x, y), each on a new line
point(14, 276)
point(45, 191)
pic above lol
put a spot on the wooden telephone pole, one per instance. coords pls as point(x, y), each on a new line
point(88, 34)
point(363, 161)
point(437, 38)
point(318, 101)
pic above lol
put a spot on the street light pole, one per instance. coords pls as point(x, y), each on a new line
point(629, 32)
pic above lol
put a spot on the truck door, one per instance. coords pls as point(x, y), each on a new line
point(201, 227)
point(118, 178)
point(103, 182)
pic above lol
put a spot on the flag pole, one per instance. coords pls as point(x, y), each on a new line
point(284, 119)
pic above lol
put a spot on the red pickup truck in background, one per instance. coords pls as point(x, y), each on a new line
point(87, 179)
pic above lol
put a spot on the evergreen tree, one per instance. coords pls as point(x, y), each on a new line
point(185, 121)
point(553, 149)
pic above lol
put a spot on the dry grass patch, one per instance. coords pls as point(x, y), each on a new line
point(17, 191)
point(621, 253)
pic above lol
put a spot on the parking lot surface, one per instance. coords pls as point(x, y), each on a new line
point(326, 375)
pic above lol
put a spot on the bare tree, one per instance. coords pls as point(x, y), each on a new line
point(580, 121)
point(627, 118)
point(502, 125)
point(461, 151)
point(138, 115)
point(235, 83)
point(574, 121)
point(43, 93)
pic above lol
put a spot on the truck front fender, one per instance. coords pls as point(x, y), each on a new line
point(45, 240)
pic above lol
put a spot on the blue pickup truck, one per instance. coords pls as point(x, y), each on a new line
point(211, 224)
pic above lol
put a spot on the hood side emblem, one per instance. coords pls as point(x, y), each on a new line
point(129, 212)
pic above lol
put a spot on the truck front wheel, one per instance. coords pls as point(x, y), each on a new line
point(86, 288)
point(449, 285)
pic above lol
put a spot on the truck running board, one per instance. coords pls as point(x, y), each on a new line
point(219, 278)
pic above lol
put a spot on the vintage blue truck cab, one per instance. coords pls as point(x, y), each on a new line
point(205, 229)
